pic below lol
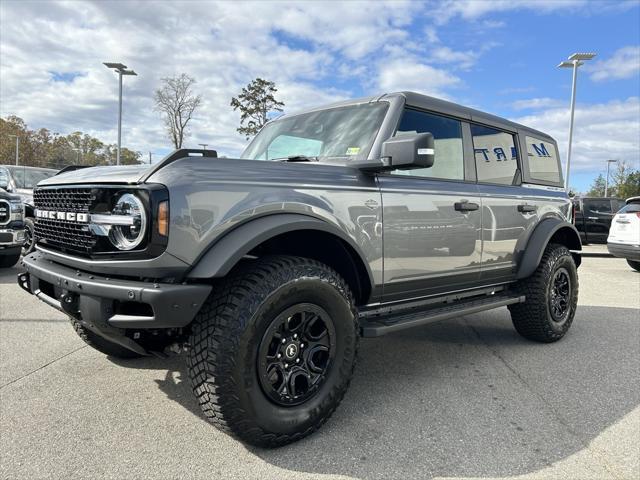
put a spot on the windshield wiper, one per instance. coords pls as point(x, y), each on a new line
point(296, 158)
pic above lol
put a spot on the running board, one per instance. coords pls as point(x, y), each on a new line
point(393, 323)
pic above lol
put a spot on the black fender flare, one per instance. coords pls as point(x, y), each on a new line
point(539, 239)
point(226, 252)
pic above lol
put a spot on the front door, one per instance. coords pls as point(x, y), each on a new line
point(431, 217)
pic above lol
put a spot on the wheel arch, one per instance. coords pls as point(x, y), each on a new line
point(549, 230)
point(292, 234)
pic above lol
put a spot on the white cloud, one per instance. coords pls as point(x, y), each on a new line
point(537, 103)
point(221, 44)
point(410, 74)
point(602, 131)
point(625, 63)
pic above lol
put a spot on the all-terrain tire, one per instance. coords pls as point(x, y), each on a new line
point(9, 260)
point(224, 358)
point(538, 318)
point(102, 345)
point(635, 265)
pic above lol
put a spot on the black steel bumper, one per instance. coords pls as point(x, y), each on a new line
point(109, 306)
point(630, 252)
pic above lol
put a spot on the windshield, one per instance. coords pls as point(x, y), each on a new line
point(29, 177)
point(342, 132)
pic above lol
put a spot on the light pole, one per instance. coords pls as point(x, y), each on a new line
point(150, 159)
point(17, 146)
point(574, 62)
point(204, 145)
point(121, 70)
point(606, 185)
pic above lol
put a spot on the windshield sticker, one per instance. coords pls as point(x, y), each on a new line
point(353, 151)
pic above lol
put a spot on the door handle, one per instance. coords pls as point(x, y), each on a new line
point(527, 208)
point(465, 206)
point(592, 218)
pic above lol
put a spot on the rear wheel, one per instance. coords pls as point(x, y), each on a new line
point(551, 297)
point(102, 345)
point(272, 351)
point(635, 265)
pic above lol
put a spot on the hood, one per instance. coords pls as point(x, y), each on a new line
point(128, 174)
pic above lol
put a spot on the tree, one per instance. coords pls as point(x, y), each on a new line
point(597, 187)
point(626, 181)
point(177, 102)
point(41, 148)
point(255, 102)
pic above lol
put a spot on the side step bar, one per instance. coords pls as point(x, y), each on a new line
point(387, 324)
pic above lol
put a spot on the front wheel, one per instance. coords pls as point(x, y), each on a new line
point(273, 350)
point(551, 297)
point(29, 237)
point(635, 265)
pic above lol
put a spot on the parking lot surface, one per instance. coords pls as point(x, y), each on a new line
point(466, 398)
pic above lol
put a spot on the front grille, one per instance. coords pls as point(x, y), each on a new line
point(5, 212)
point(6, 237)
point(63, 234)
point(63, 199)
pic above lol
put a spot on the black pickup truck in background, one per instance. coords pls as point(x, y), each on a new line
point(593, 215)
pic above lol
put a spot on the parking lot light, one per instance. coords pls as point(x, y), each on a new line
point(573, 62)
point(121, 69)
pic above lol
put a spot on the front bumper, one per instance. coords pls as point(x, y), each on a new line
point(624, 250)
point(11, 238)
point(111, 306)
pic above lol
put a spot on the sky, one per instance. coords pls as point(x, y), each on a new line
point(499, 56)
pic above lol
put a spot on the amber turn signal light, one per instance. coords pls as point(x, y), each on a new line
point(163, 218)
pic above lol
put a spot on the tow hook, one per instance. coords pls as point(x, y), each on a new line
point(69, 303)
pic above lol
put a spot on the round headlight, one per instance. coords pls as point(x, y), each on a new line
point(128, 234)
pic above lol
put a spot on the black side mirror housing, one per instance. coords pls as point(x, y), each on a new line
point(409, 151)
point(404, 153)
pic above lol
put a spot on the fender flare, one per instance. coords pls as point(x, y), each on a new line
point(539, 239)
point(226, 252)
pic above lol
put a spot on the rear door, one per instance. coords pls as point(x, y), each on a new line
point(431, 216)
point(598, 213)
point(509, 211)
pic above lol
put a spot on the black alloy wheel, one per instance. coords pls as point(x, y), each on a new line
point(560, 294)
point(296, 353)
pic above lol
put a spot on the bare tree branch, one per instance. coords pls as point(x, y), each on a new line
point(176, 101)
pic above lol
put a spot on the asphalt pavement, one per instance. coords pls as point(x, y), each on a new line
point(466, 398)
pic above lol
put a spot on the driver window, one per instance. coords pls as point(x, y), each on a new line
point(447, 135)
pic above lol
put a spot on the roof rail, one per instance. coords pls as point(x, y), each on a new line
point(177, 155)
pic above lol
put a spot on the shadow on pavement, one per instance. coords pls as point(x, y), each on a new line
point(467, 397)
point(8, 275)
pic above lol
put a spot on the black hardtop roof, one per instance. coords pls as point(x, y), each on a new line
point(426, 102)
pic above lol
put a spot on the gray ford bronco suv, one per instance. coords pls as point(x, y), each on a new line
point(355, 219)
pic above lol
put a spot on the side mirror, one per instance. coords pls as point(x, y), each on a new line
point(404, 152)
point(4, 184)
point(409, 151)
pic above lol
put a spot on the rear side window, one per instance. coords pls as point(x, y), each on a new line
point(630, 208)
point(543, 160)
point(447, 139)
point(496, 155)
point(598, 206)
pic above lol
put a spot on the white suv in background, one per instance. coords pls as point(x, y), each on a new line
point(624, 235)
